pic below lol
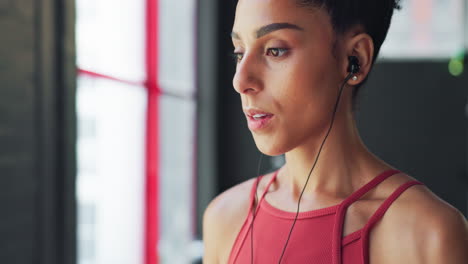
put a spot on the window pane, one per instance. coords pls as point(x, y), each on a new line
point(177, 121)
point(110, 37)
point(177, 179)
point(425, 29)
point(177, 46)
point(111, 171)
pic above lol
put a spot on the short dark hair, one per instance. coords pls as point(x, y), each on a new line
point(374, 15)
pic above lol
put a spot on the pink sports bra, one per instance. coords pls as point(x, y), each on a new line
point(318, 235)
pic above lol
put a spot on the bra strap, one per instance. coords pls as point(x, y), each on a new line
point(265, 191)
point(379, 213)
point(269, 184)
point(246, 227)
point(252, 192)
point(340, 215)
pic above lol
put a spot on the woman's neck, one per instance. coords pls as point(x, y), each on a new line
point(344, 164)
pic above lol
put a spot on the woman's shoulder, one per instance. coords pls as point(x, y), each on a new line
point(230, 201)
point(420, 203)
point(225, 215)
point(417, 201)
point(236, 199)
point(426, 226)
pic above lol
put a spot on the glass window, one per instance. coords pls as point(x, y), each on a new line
point(425, 29)
point(111, 109)
point(112, 106)
point(110, 182)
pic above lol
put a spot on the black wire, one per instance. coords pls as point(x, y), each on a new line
point(254, 209)
point(308, 177)
point(315, 162)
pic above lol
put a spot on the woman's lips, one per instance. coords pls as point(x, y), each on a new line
point(260, 123)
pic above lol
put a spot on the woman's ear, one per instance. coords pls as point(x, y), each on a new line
point(360, 45)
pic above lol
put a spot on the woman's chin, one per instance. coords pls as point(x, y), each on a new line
point(269, 149)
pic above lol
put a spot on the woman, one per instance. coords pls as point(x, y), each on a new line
point(300, 64)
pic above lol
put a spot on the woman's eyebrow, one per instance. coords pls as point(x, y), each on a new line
point(270, 28)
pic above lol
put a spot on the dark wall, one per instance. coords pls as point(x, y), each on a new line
point(37, 132)
point(413, 116)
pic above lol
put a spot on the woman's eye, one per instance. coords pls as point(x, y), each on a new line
point(276, 52)
point(237, 56)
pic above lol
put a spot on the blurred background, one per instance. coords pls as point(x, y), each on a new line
point(119, 123)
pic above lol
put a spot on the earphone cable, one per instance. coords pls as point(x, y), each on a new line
point(254, 207)
point(305, 185)
point(315, 162)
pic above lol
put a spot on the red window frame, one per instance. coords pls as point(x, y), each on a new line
point(151, 235)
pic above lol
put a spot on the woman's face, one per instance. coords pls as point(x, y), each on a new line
point(285, 67)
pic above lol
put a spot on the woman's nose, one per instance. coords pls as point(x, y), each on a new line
point(247, 78)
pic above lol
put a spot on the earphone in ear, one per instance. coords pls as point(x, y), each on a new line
point(353, 66)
